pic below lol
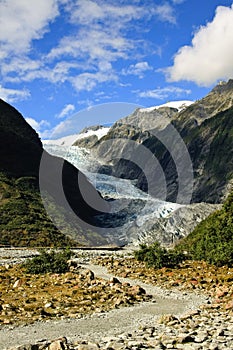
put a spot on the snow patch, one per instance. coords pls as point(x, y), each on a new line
point(180, 105)
point(69, 140)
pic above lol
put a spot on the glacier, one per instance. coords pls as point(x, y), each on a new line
point(132, 208)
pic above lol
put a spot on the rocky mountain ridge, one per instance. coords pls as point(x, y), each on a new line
point(205, 137)
point(219, 99)
point(206, 129)
point(173, 227)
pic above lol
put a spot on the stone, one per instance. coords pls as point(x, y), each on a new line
point(26, 347)
point(114, 280)
point(229, 305)
point(201, 337)
point(18, 283)
point(138, 290)
point(57, 345)
point(47, 305)
point(221, 292)
point(185, 338)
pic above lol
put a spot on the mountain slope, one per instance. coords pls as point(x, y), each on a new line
point(24, 221)
point(206, 128)
point(22, 212)
point(211, 148)
point(20, 146)
point(212, 239)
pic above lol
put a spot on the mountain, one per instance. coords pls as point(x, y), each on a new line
point(175, 226)
point(162, 138)
point(25, 168)
point(20, 146)
point(206, 129)
point(83, 138)
point(178, 105)
point(89, 136)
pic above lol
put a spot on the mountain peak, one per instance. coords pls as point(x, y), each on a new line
point(223, 86)
point(179, 105)
point(219, 99)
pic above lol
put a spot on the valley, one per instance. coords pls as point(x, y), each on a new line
point(168, 283)
point(169, 307)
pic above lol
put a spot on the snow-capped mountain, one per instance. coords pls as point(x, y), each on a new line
point(179, 105)
point(70, 139)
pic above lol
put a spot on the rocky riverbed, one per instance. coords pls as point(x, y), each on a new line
point(186, 308)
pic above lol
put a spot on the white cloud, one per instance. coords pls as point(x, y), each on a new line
point(63, 127)
point(101, 38)
point(89, 12)
point(165, 13)
point(69, 108)
point(94, 45)
point(21, 22)
point(178, 2)
point(87, 81)
point(12, 95)
point(18, 69)
point(209, 58)
point(38, 126)
point(138, 69)
point(162, 93)
point(84, 58)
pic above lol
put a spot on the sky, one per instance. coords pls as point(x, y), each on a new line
point(103, 58)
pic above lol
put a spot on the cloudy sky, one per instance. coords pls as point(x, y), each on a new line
point(60, 57)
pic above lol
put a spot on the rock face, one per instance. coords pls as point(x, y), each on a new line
point(205, 127)
point(22, 156)
point(178, 224)
point(86, 142)
point(89, 136)
point(218, 100)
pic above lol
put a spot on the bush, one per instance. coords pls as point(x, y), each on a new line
point(49, 261)
point(156, 256)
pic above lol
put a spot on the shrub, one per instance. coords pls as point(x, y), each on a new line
point(49, 261)
point(156, 256)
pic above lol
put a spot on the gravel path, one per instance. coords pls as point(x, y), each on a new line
point(111, 323)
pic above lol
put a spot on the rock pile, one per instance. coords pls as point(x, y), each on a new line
point(198, 330)
point(214, 282)
point(26, 298)
point(210, 327)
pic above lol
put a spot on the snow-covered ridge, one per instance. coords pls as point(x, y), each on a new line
point(69, 140)
point(179, 105)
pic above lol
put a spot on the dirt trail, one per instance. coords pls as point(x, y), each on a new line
point(99, 325)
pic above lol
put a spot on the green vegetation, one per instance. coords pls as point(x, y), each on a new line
point(212, 239)
point(49, 261)
point(24, 221)
point(156, 256)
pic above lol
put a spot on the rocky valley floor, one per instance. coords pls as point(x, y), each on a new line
point(110, 301)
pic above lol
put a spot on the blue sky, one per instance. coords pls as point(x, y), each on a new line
point(60, 57)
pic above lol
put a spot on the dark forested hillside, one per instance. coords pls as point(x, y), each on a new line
point(23, 219)
point(20, 146)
